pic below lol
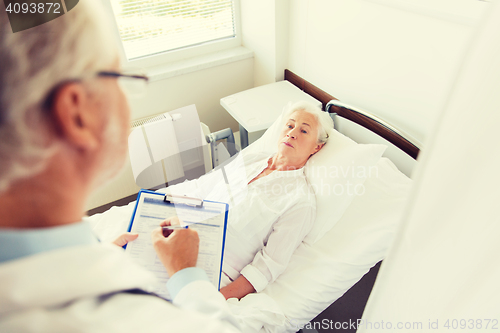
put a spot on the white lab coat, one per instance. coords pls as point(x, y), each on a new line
point(80, 289)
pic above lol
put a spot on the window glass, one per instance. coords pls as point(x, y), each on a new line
point(150, 27)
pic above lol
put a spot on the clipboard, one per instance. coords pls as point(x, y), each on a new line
point(183, 200)
point(209, 218)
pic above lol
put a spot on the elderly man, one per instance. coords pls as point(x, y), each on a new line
point(63, 131)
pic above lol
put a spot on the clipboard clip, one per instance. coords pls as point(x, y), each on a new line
point(182, 200)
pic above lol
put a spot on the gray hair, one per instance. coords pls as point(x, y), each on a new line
point(323, 118)
point(34, 62)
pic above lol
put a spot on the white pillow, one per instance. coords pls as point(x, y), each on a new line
point(320, 273)
point(336, 173)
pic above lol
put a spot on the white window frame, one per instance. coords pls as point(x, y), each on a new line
point(182, 53)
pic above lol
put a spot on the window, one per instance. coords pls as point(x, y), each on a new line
point(157, 27)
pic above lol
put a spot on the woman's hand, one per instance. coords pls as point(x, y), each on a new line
point(238, 288)
point(125, 238)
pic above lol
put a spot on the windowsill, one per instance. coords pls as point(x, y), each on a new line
point(218, 58)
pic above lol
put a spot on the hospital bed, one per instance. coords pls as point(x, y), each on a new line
point(351, 235)
point(375, 232)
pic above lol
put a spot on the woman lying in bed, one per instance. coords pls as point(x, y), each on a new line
point(271, 205)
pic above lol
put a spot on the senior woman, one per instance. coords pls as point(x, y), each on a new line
point(275, 209)
point(271, 205)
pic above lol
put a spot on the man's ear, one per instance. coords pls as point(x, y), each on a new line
point(71, 112)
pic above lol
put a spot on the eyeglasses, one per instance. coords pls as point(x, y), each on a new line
point(133, 85)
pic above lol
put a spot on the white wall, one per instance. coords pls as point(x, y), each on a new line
point(265, 26)
point(394, 58)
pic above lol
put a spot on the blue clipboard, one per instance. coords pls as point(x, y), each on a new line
point(187, 203)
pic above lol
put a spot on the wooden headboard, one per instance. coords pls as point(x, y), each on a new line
point(370, 122)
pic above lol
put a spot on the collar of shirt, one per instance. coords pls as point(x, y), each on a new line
point(18, 243)
point(258, 167)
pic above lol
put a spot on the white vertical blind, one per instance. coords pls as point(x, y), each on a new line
point(149, 27)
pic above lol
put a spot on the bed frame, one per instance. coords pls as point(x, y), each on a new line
point(378, 126)
point(351, 305)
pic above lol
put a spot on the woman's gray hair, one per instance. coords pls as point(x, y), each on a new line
point(323, 118)
point(33, 62)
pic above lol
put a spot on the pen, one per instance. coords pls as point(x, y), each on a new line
point(174, 227)
point(169, 229)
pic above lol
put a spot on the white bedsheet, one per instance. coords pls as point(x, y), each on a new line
point(320, 273)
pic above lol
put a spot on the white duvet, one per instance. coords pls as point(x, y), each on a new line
point(318, 273)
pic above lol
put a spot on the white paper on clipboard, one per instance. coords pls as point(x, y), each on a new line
point(209, 220)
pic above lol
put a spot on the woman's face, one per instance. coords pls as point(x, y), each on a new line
point(299, 138)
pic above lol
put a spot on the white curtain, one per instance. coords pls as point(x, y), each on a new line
point(443, 272)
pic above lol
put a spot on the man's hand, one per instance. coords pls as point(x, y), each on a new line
point(125, 239)
point(168, 222)
point(177, 251)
